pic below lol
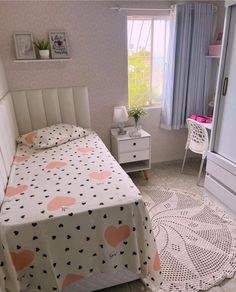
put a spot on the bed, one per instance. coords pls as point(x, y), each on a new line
point(71, 218)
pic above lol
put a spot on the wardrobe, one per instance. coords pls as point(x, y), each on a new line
point(221, 160)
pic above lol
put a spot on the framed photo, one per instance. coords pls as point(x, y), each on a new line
point(24, 46)
point(59, 44)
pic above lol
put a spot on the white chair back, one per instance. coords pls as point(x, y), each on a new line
point(198, 140)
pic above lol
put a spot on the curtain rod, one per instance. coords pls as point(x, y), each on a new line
point(138, 9)
point(118, 9)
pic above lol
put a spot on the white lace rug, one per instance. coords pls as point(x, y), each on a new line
point(196, 240)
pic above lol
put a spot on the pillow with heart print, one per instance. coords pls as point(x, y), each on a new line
point(52, 136)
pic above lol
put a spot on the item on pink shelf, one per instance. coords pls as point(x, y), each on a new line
point(193, 117)
point(211, 102)
point(214, 50)
point(208, 120)
point(219, 37)
point(201, 119)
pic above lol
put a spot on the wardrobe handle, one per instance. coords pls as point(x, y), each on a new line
point(225, 86)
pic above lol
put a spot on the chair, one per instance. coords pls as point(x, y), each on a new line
point(197, 141)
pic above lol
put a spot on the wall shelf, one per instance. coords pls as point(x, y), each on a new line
point(42, 60)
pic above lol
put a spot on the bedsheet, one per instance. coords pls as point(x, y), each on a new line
point(70, 212)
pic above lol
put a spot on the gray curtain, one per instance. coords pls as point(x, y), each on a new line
point(194, 24)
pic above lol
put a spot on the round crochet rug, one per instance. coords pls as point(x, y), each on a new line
point(195, 238)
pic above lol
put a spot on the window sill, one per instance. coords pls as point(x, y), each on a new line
point(154, 106)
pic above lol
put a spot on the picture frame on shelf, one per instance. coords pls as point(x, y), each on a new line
point(59, 44)
point(24, 48)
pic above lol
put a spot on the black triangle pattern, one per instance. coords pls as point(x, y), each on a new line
point(185, 202)
point(206, 262)
point(173, 270)
point(160, 196)
point(207, 215)
point(221, 238)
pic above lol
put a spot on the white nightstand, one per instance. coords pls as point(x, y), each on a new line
point(133, 153)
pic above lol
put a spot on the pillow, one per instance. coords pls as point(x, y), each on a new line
point(52, 136)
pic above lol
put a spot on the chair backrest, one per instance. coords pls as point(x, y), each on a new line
point(198, 140)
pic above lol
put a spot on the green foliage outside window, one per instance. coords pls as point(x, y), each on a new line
point(139, 75)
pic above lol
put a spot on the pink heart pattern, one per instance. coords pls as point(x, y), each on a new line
point(12, 191)
point(59, 202)
point(55, 164)
point(157, 263)
point(71, 278)
point(72, 186)
point(86, 150)
point(99, 175)
point(115, 235)
point(22, 259)
point(30, 138)
point(19, 159)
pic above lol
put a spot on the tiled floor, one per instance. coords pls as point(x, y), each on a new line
point(168, 175)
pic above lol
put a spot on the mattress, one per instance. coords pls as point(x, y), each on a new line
point(71, 212)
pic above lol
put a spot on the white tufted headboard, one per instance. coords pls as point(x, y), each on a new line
point(39, 108)
point(24, 111)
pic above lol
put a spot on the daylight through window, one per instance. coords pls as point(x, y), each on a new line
point(148, 39)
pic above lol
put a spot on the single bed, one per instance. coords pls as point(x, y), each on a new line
point(71, 218)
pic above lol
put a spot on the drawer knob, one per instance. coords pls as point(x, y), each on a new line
point(134, 156)
point(134, 144)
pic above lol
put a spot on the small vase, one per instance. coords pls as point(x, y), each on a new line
point(44, 54)
point(137, 124)
point(136, 132)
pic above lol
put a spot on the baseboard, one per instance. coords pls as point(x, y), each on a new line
point(178, 161)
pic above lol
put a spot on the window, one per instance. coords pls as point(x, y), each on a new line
point(147, 58)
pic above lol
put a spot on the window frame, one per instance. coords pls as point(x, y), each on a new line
point(152, 15)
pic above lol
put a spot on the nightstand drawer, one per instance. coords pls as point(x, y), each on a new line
point(133, 145)
point(134, 156)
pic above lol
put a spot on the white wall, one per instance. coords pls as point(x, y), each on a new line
point(99, 60)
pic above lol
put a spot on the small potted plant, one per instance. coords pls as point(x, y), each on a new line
point(43, 47)
point(136, 112)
